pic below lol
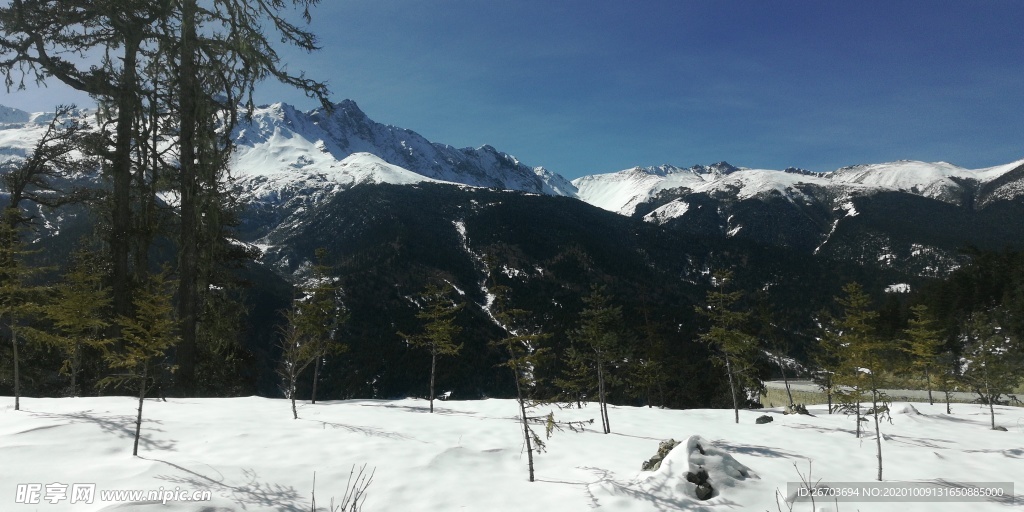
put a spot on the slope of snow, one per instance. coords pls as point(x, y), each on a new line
point(622, 191)
point(279, 137)
point(250, 455)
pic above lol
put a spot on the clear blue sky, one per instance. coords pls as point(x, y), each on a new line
point(587, 86)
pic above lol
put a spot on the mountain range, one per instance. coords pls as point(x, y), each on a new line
point(396, 211)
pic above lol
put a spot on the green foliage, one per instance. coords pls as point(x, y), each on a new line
point(19, 300)
point(735, 348)
point(79, 313)
point(859, 351)
point(319, 311)
point(600, 347)
point(923, 343)
point(146, 337)
point(993, 358)
point(439, 330)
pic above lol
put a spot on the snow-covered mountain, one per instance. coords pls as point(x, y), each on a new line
point(281, 149)
point(623, 191)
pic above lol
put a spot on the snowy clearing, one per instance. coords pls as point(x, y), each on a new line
point(252, 456)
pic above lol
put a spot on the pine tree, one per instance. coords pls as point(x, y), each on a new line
point(439, 330)
point(297, 353)
point(923, 342)
point(993, 360)
point(320, 315)
point(598, 345)
point(863, 359)
point(524, 355)
point(826, 357)
point(79, 313)
point(736, 349)
point(19, 300)
point(147, 337)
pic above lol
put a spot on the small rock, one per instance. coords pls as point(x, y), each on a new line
point(764, 419)
point(654, 463)
point(797, 409)
point(700, 479)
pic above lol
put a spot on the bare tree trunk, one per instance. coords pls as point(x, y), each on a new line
point(785, 379)
point(17, 373)
point(857, 407)
point(928, 379)
point(316, 377)
point(878, 432)
point(600, 397)
point(188, 254)
point(991, 404)
point(76, 363)
point(291, 393)
point(433, 367)
point(526, 429)
point(732, 389)
point(138, 419)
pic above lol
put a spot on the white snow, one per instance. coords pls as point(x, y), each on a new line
point(622, 191)
point(674, 209)
point(898, 288)
point(252, 456)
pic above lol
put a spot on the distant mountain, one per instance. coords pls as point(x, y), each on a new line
point(280, 146)
point(914, 217)
point(623, 191)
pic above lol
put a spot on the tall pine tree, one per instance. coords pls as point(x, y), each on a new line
point(735, 348)
point(439, 330)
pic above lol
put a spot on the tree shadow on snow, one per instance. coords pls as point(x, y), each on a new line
point(426, 409)
point(758, 451)
point(367, 431)
point(251, 492)
point(122, 426)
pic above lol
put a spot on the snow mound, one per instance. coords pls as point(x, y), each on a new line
point(905, 409)
point(696, 453)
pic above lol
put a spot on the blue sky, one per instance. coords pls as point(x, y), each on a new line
point(593, 86)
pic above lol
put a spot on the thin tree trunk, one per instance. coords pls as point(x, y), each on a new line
point(600, 397)
point(188, 296)
point(295, 412)
point(76, 362)
point(316, 377)
point(433, 367)
point(991, 404)
point(928, 379)
point(17, 373)
point(732, 389)
point(857, 407)
point(526, 436)
point(948, 410)
point(138, 419)
point(878, 432)
point(785, 379)
point(526, 425)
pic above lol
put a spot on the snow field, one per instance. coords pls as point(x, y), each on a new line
point(468, 455)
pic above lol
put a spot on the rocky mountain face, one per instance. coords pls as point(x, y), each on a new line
point(915, 217)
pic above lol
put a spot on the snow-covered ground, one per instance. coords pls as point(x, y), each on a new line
point(252, 456)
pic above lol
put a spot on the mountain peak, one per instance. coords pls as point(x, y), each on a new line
point(10, 115)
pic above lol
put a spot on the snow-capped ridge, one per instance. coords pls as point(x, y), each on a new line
point(623, 191)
